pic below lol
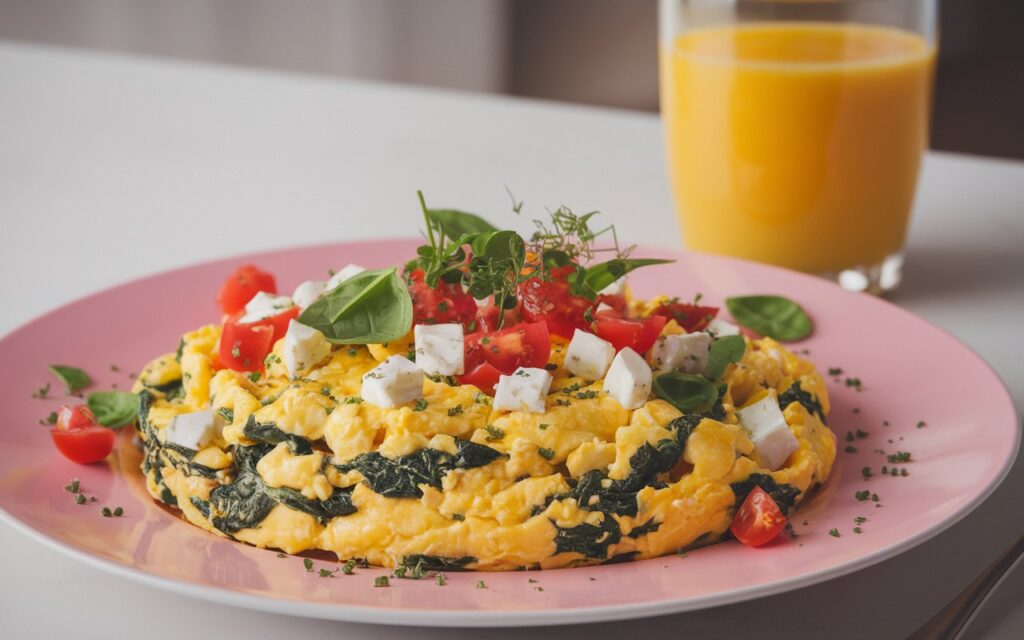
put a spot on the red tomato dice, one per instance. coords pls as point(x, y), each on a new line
point(483, 376)
point(244, 346)
point(688, 316)
point(758, 520)
point(639, 334)
point(79, 438)
point(527, 344)
point(242, 285)
point(550, 300)
point(443, 304)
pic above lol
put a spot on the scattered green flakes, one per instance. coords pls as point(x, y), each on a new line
point(866, 472)
point(850, 449)
point(563, 402)
point(494, 434)
point(325, 391)
point(118, 512)
point(834, 533)
point(235, 351)
point(306, 562)
point(106, 512)
point(899, 456)
point(480, 584)
point(326, 573)
point(381, 581)
point(849, 436)
point(856, 409)
point(921, 424)
point(50, 419)
point(790, 531)
point(482, 398)
point(72, 487)
point(353, 352)
point(455, 411)
point(885, 470)
point(420, 405)
point(441, 580)
point(860, 520)
point(80, 499)
point(543, 426)
point(679, 552)
point(539, 588)
point(874, 497)
point(545, 453)
point(282, 555)
point(835, 371)
point(42, 392)
point(858, 530)
point(255, 376)
point(904, 473)
point(400, 572)
point(531, 580)
point(587, 395)
point(353, 400)
point(854, 383)
point(862, 495)
point(348, 567)
point(861, 434)
point(458, 517)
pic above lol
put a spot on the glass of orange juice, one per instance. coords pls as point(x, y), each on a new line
point(795, 129)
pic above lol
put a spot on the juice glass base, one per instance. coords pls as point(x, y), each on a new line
point(876, 279)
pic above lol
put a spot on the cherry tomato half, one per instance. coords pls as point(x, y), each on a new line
point(84, 445)
point(551, 301)
point(527, 344)
point(639, 334)
point(242, 285)
point(244, 346)
point(445, 303)
point(688, 316)
point(758, 519)
point(483, 376)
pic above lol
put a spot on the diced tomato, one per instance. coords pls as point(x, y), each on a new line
point(758, 520)
point(445, 303)
point(79, 438)
point(550, 300)
point(85, 444)
point(242, 285)
point(487, 318)
point(483, 376)
point(639, 334)
point(74, 417)
point(244, 346)
point(278, 323)
point(527, 344)
point(688, 316)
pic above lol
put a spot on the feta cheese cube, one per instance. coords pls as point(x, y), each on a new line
point(440, 349)
point(193, 430)
point(395, 381)
point(719, 328)
point(687, 352)
point(616, 288)
point(588, 356)
point(524, 390)
point(629, 379)
point(769, 432)
point(303, 347)
point(264, 305)
point(344, 274)
point(308, 292)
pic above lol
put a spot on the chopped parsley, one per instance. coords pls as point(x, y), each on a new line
point(118, 512)
point(835, 371)
point(255, 376)
point(381, 581)
point(480, 584)
point(42, 392)
point(306, 562)
point(226, 413)
point(834, 533)
point(327, 573)
point(866, 472)
point(455, 411)
point(494, 434)
point(420, 405)
point(545, 453)
point(50, 419)
point(586, 395)
point(348, 567)
point(72, 486)
point(921, 424)
point(353, 400)
point(543, 426)
point(854, 382)
point(862, 495)
point(441, 580)
point(858, 530)
point(860, 520)
point(850, 449)
point(899, 456)
point(105, 511)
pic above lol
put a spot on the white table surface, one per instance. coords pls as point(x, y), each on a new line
point(113, 168)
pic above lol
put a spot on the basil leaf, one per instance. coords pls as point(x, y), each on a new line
point(72, 377)
point(601, 275)
point(113, 409)
point(772, 316)
point(724, 351)
point(371, 307)
point(685, 391)
point(456, 224)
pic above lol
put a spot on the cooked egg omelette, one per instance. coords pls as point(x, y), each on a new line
point(456, 479)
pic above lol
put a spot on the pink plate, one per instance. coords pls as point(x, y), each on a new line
point(910, 371)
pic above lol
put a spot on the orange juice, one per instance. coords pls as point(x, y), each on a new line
point(796, 143)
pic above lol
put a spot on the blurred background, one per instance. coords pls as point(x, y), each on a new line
point(597, 52)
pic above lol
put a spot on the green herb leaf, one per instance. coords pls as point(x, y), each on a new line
point(601, 275)
point(372, 307)
point(724, 351)
point(685, 391)
point(72, 377)
point(114, 409)
point(456, 224)
point(772, 316)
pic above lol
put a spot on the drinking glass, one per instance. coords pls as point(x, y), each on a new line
point(795, 129)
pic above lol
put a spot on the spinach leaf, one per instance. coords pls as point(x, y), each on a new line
point(339, 504)
point(456, 224)
point(269, 433)
point(796, 393)
point(437, 563)
point(601, 275)
point(171, 390)
point(784, 495)
point(244, 503)
point(72, 377)
point(400, 477)
point(372, 307)
point(648, 527)
point(588, 540)
point(113, 409)
point(724, 351)
point(685, 391)
point(772, 316)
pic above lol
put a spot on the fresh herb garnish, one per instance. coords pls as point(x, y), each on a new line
point(42, 392)
point(724, 351)
point(494, 434)
point(372, 307)
point(455, 411)
point(687, 392)
point(420, 405)
point(72, 377)
point(772, 316)
point(114, 409)
point(480, 584)
point(306, 562)
point(899, 456)
point(834, 533)
point(381, 581)
point(862, 495)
